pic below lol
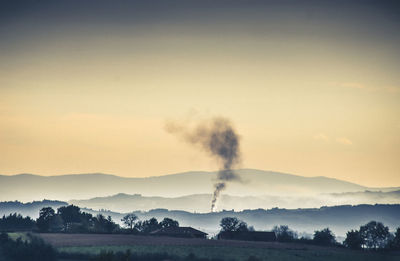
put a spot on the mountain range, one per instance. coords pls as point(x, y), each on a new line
point(255, 183)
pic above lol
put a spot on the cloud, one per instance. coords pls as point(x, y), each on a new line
point(344, 141)
point(321, 137)
point(355, 85)
point(362, 86)
point(392, 89)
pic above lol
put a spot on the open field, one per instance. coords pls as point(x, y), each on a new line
point(226, 249)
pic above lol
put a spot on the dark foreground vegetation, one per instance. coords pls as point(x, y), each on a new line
point(224, 250)
point(33, 249)
point(373, 235)
point(129, 256)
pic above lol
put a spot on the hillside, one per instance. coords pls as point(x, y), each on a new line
point(29, 187)
point(201, 202)
point(28, 209)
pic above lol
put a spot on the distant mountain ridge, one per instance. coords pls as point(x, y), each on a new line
point(29, 187)
point(201, 202)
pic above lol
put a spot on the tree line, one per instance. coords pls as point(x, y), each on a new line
point(70, 219)
point(373, 235)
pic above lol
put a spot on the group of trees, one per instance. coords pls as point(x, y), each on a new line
point(16, 222)
point(71, 219)
point(284, 234)
point(234, 224)
point(373, 235)
point(132, 222)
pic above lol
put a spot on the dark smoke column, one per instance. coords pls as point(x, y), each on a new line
point(218, 137)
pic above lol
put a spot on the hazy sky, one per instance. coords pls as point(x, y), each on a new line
point(312, 87)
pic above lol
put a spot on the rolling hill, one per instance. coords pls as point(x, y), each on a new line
point(201, 202)
point(29, 187)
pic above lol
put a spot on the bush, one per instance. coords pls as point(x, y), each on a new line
point(34, 250)
point(325, 237)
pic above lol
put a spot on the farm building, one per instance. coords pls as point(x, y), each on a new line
point(179, 232)
point(248, 235)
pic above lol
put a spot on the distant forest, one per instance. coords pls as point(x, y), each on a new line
point(340, 219)
point(71, 219)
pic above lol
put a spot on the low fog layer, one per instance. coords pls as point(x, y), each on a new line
point(200, 202)
point(339, 219)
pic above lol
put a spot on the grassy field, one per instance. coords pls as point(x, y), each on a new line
point(239, 254)
point(226, 249)
point(22, 235)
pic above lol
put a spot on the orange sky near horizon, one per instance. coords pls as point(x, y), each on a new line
point(309, 94)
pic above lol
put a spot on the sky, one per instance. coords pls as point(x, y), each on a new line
point(312, 87)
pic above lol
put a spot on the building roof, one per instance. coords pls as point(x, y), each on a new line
point(178, 230)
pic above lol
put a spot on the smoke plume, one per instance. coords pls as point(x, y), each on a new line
point(218, 138)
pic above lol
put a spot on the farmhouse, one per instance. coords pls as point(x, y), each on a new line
point(179, 232)
point(248, 235)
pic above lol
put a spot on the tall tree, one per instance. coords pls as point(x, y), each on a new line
point(232, 224)
point(284, 234)
point(45, 216)
point(103, 224)
point(324, 237)
point(353, 239)
point(375, 235)
point(129, 220)
point(169, 222)
point(396, 240)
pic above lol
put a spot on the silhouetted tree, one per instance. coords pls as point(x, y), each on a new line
point(284, 234)
point(86, 220)
point(129, 220)
point(374, 235)
point(45, 217)
point(168, 222)
point(395, 242)
point(233, 224)
point(74, 220)
point(70, 214)
point(353, 239)
point(324, 237)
